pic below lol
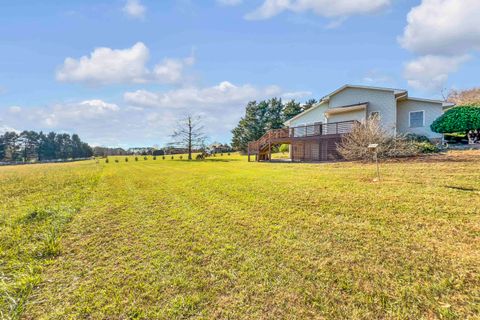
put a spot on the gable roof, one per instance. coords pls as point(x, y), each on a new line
point(327, 97)
point(395, 91)
point(315, 106)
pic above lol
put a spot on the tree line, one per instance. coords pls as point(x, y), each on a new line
point(38, 146)
point(263, 116)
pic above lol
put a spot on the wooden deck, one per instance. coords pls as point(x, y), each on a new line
point(317, 142)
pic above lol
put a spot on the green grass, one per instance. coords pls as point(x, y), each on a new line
point(228, 239)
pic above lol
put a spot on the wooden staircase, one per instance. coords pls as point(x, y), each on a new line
point(263, 146)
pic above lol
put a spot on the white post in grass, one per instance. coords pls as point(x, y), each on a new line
point(373, 147)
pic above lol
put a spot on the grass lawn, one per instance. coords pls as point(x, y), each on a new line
point(227, 239)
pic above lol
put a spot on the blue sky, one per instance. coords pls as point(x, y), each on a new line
point(121, 73)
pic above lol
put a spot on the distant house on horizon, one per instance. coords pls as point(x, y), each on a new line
point(314, 133)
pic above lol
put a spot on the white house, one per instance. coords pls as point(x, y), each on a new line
point(397, 112)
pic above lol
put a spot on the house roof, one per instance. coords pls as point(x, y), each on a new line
point(327, 97)
point(399, 94)
point(395, 91)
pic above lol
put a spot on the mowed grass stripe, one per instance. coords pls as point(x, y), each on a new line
point(191, 244)
point(36, 203)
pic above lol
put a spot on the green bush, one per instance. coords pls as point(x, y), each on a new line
point(126, 159)
point(136, 158)
point(416, 138)
point(283, 148)
point(200, 156)
point(427, 147)
point(106, 160)
point(145, 158)
point(116, 161)
point(172, 157)
point(458, 119)
point(154, 157)
point(163, 157)
point(181, 157)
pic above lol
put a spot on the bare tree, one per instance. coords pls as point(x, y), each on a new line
point(354, 145)
point(465, 97)
point(189, 134)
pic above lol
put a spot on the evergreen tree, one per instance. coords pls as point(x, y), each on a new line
point(275, 117)
point(2, 148)
point(12, 146)
point(30, 145)
point(307, 105)
point(291, 109)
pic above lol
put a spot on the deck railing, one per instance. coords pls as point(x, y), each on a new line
point(318, 129)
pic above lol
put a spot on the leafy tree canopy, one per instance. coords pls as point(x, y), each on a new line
point(458, 119)
point(263, 116)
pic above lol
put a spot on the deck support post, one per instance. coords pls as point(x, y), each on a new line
point(249, 153)
point(269, 151)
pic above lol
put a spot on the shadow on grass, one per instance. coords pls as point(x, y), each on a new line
point(222, 160)
point(462, 188)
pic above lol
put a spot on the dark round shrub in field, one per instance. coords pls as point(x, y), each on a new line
point(221, 154)
point(136, 158)
point(106, 160)
point(200, 156)
point(181, 157)
point(229, 153)
point(116, 161)
point(163, 157)
point(172, 157)
point(154, 157)
point(145, 158)
point(126, 159)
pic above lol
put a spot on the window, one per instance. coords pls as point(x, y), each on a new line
point(417, 119)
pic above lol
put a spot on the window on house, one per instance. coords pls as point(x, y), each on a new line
point(417, 119)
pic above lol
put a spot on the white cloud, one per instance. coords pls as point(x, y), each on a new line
point(229, 2)
point(77, 112)
point(4, 129)
point(375, 77)
point(110, 66)
point(134, 9)
point(171, 70)
point(324, 8)
point(296, 95)
point(443, 33)
point(430, 72)
point(221, 95)
point(145, 117)
point(443, 27)
point(15, 109)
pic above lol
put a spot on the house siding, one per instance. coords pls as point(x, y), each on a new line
point(380, 101)
point(358, 115)
point(432, 111)
point(316, 115)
